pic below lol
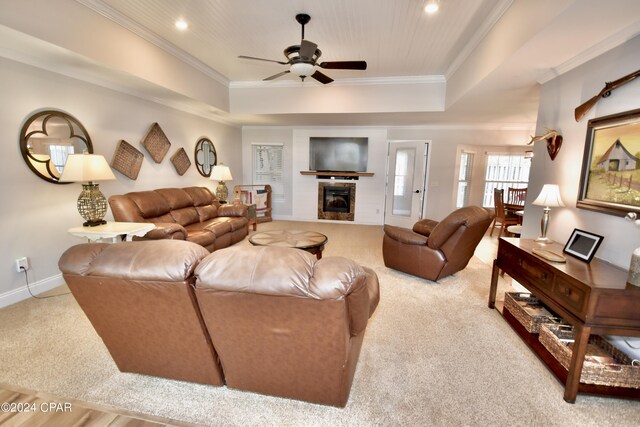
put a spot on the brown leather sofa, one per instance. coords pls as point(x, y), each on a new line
point(433, 250)
point(265, 319)
point(139, 297)
point(193, 214)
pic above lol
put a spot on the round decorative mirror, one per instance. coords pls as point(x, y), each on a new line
point(205, 156)
point(47, 138)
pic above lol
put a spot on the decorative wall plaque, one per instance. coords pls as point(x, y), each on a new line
point(180, 161)
point(156, 143)
point(127, 160)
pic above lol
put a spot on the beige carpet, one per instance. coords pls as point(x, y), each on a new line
point(433, 354)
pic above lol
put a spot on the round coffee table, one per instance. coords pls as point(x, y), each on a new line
point(309, 241)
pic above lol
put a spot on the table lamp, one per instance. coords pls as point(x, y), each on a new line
point(87, 168)
point(221, 173)
point(549, 197)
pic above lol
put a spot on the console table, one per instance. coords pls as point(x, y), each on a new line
point(595, 298)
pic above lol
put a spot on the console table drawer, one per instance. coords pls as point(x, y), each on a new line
point(570, 294)
point(530, 270)
point(526, 268)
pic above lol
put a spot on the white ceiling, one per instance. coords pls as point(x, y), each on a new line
point(490, 55)
point(395, 37)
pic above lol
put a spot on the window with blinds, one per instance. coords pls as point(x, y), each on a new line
point(464, 179)
point(267, 168)
point(504, 171)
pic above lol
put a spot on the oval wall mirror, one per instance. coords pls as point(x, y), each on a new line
point(205, 156)
point(47, 138)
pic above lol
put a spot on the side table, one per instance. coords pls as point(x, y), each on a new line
point(251, 215)
point(113, 230)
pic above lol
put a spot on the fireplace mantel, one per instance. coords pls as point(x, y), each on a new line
point(336, 173)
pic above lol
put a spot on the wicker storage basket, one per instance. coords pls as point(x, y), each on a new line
point(604, 364)
point(528, 310)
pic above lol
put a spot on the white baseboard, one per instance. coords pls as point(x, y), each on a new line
point(22, 293)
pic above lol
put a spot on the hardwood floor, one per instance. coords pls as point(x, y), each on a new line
point(27, 408)
point(487, 249)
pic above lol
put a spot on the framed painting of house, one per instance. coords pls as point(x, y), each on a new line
point(610, 178)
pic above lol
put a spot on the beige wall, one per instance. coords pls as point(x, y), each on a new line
point(558, 100)
point(442, 179)
point(35, 214)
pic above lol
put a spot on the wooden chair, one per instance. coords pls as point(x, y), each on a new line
point(516, 197)
point(502, 216)
point(515, 201)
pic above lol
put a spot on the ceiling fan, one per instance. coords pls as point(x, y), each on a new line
point(303, 59)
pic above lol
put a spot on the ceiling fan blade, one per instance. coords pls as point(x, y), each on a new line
point(275, 76)
point(262, 59)
point(307, 49)
point(322, 78)
point(344, 65)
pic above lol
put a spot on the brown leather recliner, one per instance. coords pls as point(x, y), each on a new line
point(436, 249)
point(140, 299)
point(285, 323)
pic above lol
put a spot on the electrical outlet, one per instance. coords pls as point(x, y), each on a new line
point(22, 263)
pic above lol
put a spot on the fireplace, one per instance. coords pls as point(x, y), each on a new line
point(336, 201)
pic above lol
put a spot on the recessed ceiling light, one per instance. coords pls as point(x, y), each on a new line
point(431, 7)
point(181, 24)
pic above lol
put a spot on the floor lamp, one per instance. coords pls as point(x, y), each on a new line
point(549, 197)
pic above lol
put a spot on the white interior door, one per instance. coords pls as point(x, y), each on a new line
point(406, 182)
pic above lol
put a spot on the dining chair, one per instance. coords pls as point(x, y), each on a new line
point(516, 196)
point(504, 217)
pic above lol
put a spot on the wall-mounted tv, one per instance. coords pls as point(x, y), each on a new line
point(338, 154)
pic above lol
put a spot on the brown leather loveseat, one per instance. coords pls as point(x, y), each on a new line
point(433, 249)
point(271, 320)
point(193, 214)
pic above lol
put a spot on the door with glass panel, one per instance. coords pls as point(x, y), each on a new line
point(406, 182)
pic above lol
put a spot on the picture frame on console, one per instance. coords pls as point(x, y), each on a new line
point(610, 177)
point(583, 245)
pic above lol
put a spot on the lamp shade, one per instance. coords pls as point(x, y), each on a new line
point(86, 168)
point(549, 196)
point(221, 173)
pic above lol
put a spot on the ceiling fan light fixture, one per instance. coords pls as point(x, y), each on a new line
point(432, 6)
point(302, 69)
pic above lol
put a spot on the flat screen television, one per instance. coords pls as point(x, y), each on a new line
point(338, 154)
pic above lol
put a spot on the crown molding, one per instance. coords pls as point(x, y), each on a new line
point(596, 50)
point(442, 126)
point(479, 35)
point(369, 81)
point(471, 126)
point(110, 13)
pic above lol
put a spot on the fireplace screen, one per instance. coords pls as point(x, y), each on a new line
point(336, 199)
